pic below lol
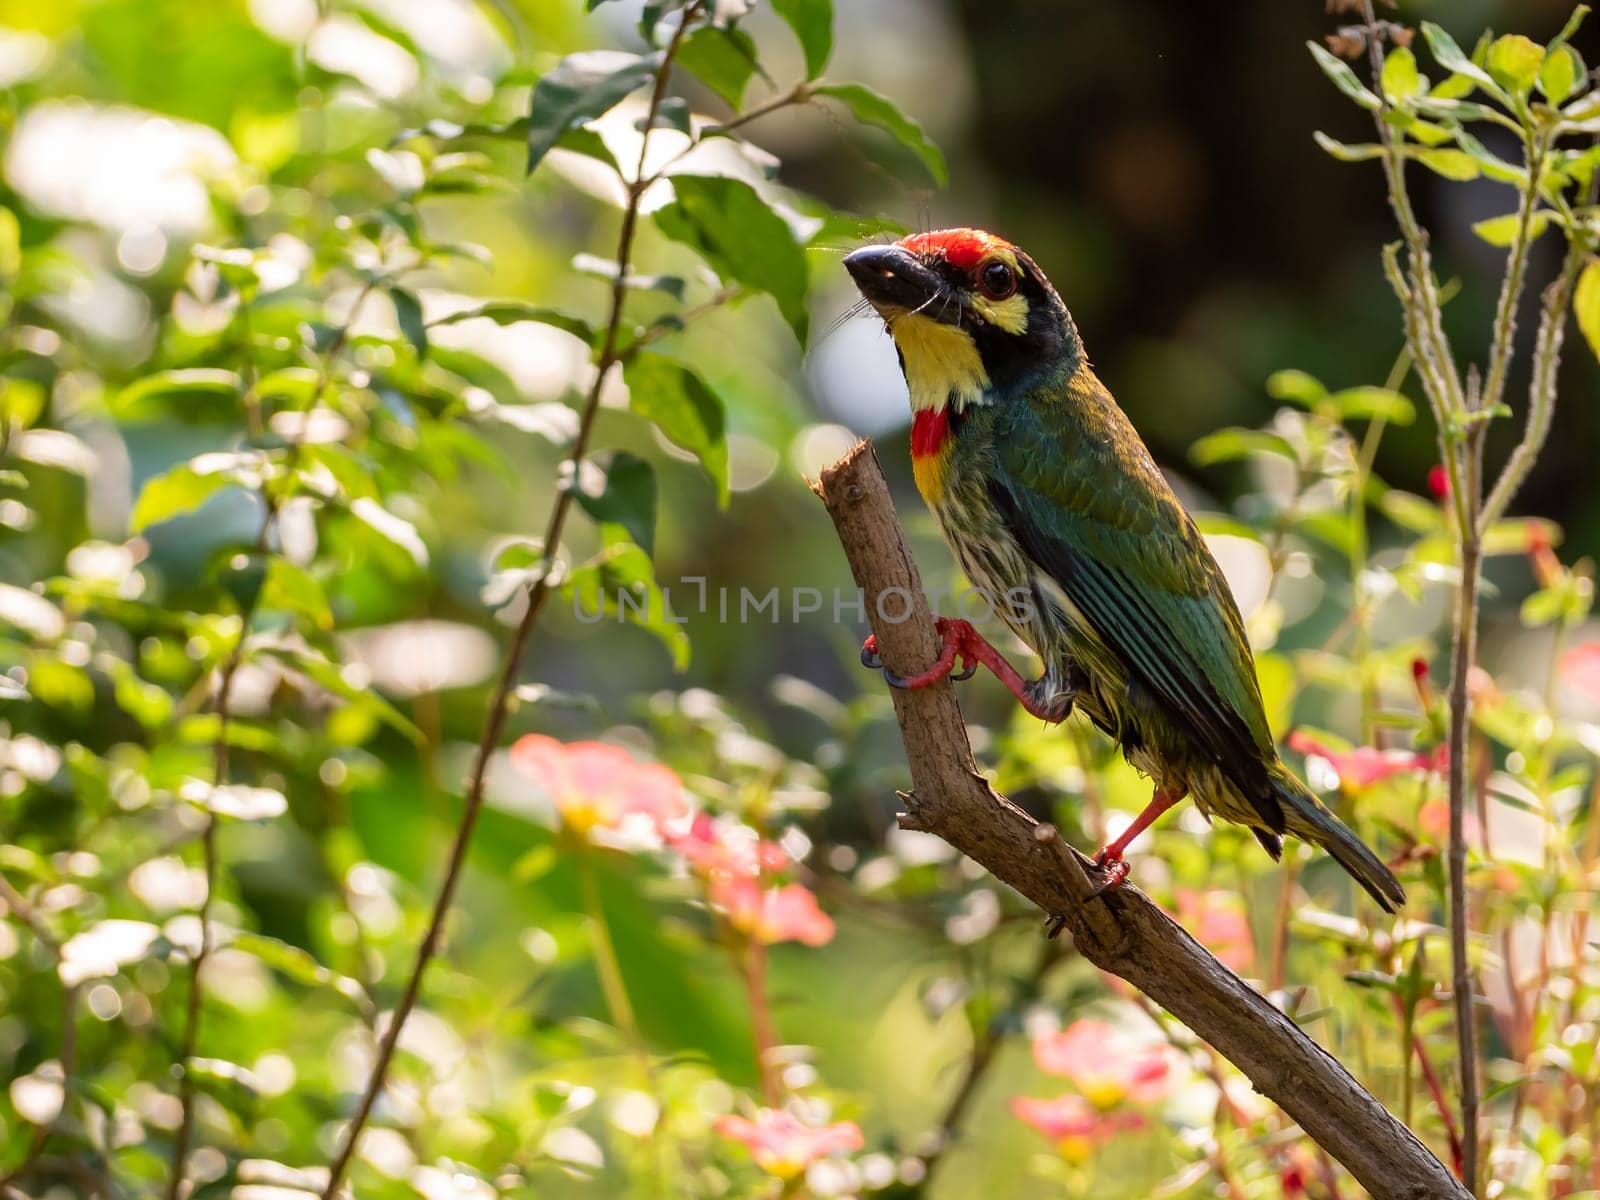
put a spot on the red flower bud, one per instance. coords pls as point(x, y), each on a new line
point(1439, 483)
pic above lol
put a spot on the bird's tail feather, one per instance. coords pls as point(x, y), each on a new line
point(1310, 819)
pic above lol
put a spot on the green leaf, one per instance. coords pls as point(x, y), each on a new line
point(1373, 403)
point(1449, 56)
point(21, 402)
point(742, 239)
point(606, 268)
point(1399, 78)
point(300, 966)
point(621, 581)
point(812, 23)
point(870, 108)
point(10, 243)
point(1493, 168)
point(1360, 152)
point(1454, 87)
point(1452, 164)
point(393, 529)
point(1229, 445)
point(1514, 62)
point(722, 58)
point(186, 487)
point(292, 589)
point(1559, 75)
point(627, 498)
point(1502, 231)
point(1296, 387)
point(588, 143)
point(1586, 304)
point(1411, 512)
point(1543, 607)
point(137, 400)
point(686, 411)
point(580, 88)
point(408, 311)
point(1344, 78)
point(509, 312)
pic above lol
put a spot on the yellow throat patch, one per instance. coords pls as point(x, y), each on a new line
point(942, 363)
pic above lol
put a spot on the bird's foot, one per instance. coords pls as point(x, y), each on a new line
point(1116, 867)
point(873, 661)
point(963, 642)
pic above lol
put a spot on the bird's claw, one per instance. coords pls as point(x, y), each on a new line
point(871, 659)
point(869, 654)
point(1116, 869)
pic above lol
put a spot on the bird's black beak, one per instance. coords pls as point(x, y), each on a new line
point(893, 279)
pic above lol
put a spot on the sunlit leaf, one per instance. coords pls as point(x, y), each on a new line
point(620, 584)
point(509, 312)
point(1229, 445)
point(722, 58)
point(1297, 387)
point(870, 108)
point(684, 408)
point(408, 311)
point(1372, 403)
point(1450, 56)
point(1514, 62)
point(1344, 78)
point(1452, 164)
point(1502, 231)
point(187, 486)
point(743, 239)
point(628, 498)
point(579, 88)
point(1559, 74)
point(136, 401)
point(1586, 304)
point(1361, 152)
point(1399, 77)
point(812, 23)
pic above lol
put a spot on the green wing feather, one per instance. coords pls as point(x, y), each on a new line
point(1084, 499)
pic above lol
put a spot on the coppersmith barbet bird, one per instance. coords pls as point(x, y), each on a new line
point(1055, 509)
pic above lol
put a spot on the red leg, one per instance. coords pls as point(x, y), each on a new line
point(963, 641)
point(1111, 856)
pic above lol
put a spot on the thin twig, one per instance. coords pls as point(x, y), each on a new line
point(537, 593)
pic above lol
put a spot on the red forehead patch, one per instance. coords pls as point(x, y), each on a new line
point(963, 248)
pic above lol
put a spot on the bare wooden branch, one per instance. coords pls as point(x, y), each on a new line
point(1123, 933)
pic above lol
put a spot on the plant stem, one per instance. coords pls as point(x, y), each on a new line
point(1554, 304)
point(538, 592)
point(605, 954)
point(1466, 624)
point(754, 969)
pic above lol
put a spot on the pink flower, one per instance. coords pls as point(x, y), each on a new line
point(598, 785)
point(1105, 1064)
point(1364, 766)
point(1072, 1123)
point(1218, 922)
point(717, 847)
point(782, 914)
point(1580, 669)
point(784, 1146)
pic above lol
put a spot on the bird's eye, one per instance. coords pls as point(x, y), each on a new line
point(997, 280)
